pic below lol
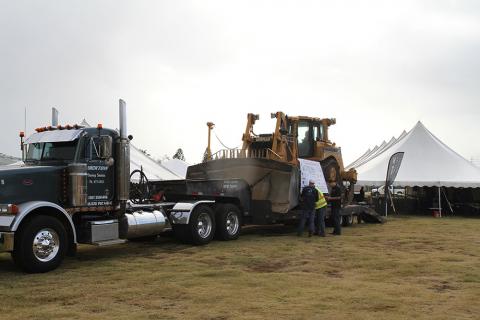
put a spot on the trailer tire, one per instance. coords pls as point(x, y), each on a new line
point(40, 244)
point(347, 220)
point(229, 222)
point(201, 226)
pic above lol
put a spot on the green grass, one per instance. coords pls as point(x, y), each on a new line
point(410, 267)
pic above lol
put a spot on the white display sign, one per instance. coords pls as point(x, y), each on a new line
point(311, 170)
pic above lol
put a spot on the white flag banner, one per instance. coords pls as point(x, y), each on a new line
point(311, 170)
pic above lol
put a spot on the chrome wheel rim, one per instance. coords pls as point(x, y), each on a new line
point(232, 223)
point(204, 225)
point(46, 244)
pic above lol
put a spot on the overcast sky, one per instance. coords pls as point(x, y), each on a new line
point(376, 66)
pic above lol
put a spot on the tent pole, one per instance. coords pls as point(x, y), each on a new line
point(386, 202)
point(439, 202)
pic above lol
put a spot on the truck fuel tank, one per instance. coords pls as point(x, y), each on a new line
point(143, 223)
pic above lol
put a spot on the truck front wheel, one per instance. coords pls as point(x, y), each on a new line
point(40, 244)
point(229, 222)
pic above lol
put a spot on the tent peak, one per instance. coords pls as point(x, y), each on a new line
point(420, 124)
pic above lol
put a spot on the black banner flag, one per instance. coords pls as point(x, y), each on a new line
point(393, 167)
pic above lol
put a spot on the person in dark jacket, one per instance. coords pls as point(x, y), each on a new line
point(361, 198)
point(335, 199)
point(309, 197)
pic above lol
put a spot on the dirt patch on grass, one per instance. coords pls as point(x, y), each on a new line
point(268, 266)
point(442, 287)
point(334, 274)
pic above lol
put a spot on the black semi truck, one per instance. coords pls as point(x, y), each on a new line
point(75, 187)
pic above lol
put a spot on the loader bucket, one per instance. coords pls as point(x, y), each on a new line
point(270, 180)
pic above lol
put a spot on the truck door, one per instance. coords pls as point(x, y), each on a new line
point(100, 169)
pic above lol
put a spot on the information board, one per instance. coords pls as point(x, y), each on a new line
point(311, 170)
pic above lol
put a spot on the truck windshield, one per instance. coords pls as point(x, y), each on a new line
point(50, 151)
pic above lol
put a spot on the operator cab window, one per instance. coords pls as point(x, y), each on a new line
point(305, 141)
point(318, 132)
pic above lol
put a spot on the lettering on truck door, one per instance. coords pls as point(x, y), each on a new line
point(100, 176)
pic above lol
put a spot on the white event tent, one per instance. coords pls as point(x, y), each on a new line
point(427, 162)
point(153, 170)
point(177, 166)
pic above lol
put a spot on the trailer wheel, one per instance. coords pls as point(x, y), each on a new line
point(40, 245)
point(201, 227)
point(347, 220)
point(229, 222)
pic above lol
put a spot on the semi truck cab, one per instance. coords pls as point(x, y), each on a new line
point(74, 187)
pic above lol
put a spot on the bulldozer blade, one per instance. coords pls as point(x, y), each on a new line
point(269, 180)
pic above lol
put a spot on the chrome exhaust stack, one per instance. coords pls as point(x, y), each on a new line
point(123, 159)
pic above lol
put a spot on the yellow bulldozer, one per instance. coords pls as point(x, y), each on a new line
point(269, 163)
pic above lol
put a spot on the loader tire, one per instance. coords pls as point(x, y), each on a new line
point(40, 244)
point(331, 171)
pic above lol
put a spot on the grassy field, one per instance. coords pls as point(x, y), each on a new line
point(410, 267)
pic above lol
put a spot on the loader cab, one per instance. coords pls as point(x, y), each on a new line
point(312, 136)
point(305, 139)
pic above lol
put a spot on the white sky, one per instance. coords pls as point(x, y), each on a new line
point(376, 66)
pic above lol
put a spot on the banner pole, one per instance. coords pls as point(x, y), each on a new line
point(386, 202)
point(439, 202)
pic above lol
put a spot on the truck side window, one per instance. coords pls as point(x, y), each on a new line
point(95, 148)
point(35, 151)
point(81, 155)
point(100, 147)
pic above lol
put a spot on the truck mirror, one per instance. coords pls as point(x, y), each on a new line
point(101, 147)
point(105, 147)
